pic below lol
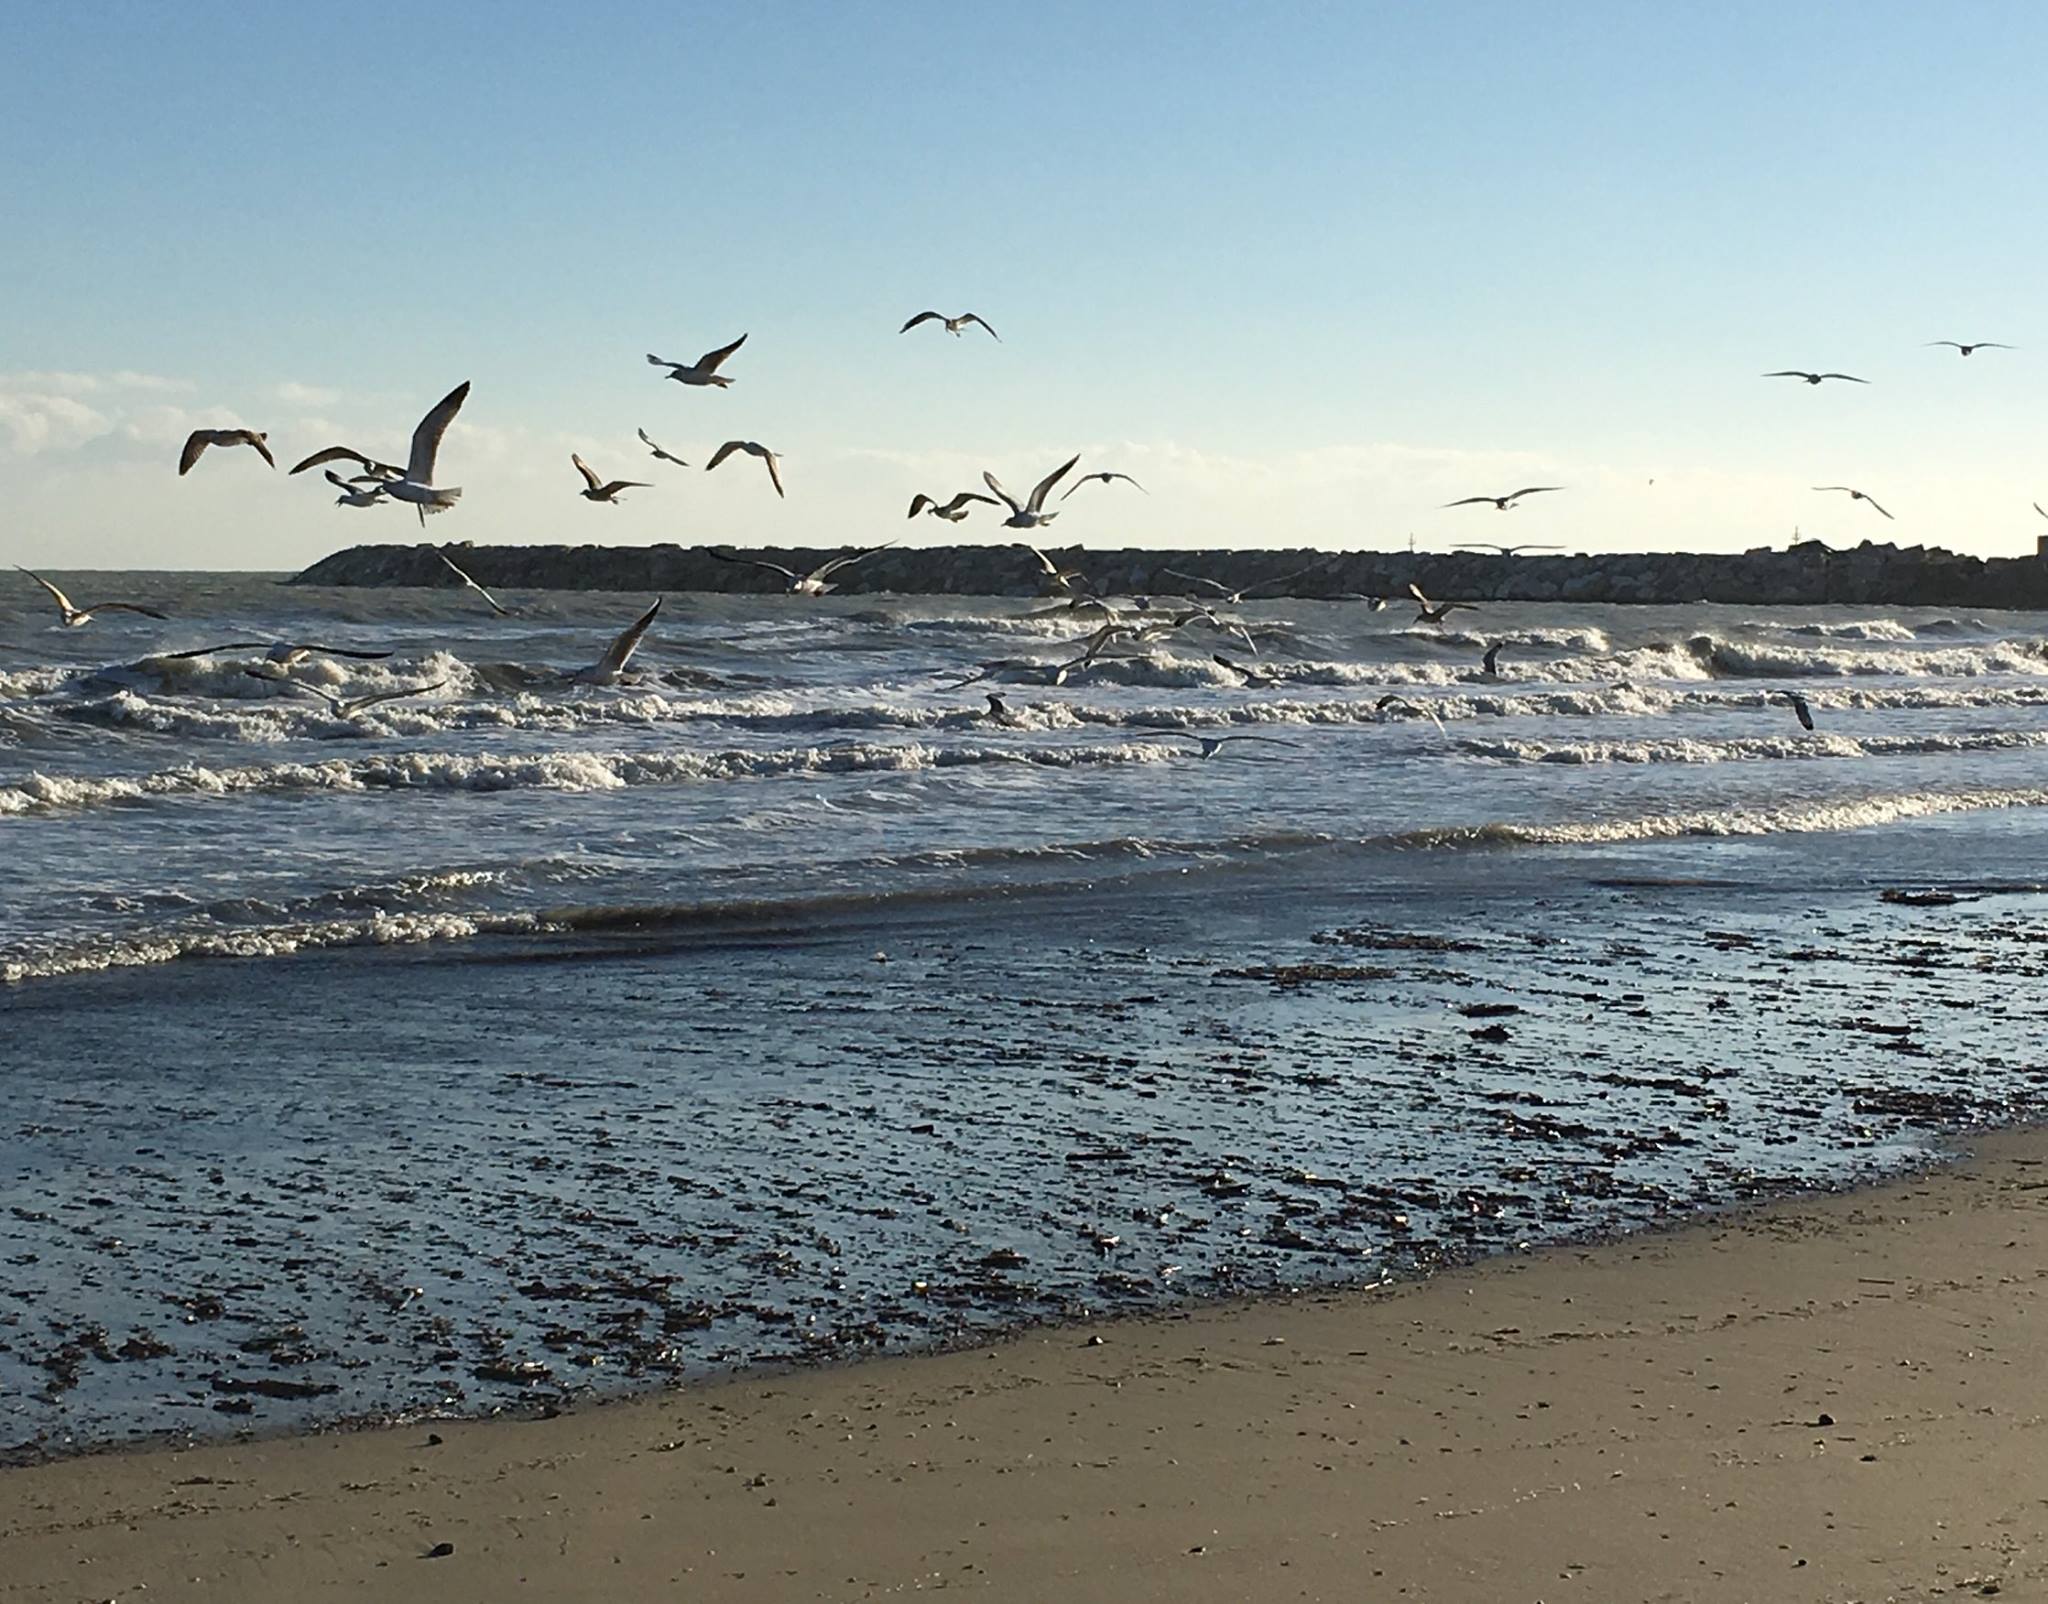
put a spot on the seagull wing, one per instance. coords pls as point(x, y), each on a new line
point(195, 443)
point(620, 652)
point(617, 485)
point(208, 651)
point(922, 317)
point(1216, 585)
point(1532, 490)
point(1421, 600)
point(774, 469)
point(751, 562)
point(661, 454)
point(335, 479)
point(963, 498)
point(1039, 490)
point(1873, 503)
point(919, 502)
point(2037, 508)
point(126, 607)
point(708, 362)
point(654, 361)
point(1834, 487)
point(975, 317)
point(1956, 343)
point(995, 484)
point(355, 704)
point(1790, 373)
point(1849, 376)
point(1472, 501)
point(825, 570)
point(473, 585)
point(337, 651)
point(426, 439)
point(56, 595)
point(336, 454)
point(261, 443)
point(583, 468)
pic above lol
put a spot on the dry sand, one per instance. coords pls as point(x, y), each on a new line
point(1832, 1399)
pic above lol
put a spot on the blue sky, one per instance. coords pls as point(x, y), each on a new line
point(1306, 271)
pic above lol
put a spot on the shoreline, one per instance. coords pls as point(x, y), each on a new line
point(1679, 1413)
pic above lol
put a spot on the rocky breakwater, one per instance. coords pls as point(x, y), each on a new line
point(1807, 573)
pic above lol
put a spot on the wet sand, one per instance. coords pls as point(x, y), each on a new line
point(1826, 1399)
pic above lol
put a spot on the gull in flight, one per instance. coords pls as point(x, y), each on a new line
point(1252, 676)
point(1413, 710)
point(607, 669)
point(282, 653)
point(1490, 664)
point(1212, 744)
point(1435, 612)
point(1104, 476)
point(954, 325)
point(344, 706)
point(199, 439)
point(366, 492)
point(1055, 579)
point(1225, 596)
point(1798, 705)
point(660, 455)
point(1505, 551)
point(998, 709)
point(78, 617)
point(703, 371)
point(813, 583)
point(372, 468)
point(1201, 614)
point(1974, 345)
point(752, 448)
point(1504, 503)
point(1029, 514)
point(953, 511)
point(1854, 495)
point(471, 584)
point(597, 489)
point(1091, 648)
point(1813, 378)
point(417, 485)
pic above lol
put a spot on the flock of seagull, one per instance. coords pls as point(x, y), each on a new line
point(1142, 621)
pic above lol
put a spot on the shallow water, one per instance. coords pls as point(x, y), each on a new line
point(526, 1037)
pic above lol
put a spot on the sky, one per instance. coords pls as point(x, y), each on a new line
point(1305, 270)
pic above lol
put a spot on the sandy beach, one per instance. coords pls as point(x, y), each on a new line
point(1822, 1399)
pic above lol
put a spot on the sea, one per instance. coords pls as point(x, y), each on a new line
point(523, 1041)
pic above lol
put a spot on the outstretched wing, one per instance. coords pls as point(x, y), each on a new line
point(825, 570)
point(473, 585)
point(355, 704)
point(918, 503)
point(751, 562)
point(963, 498)
point(663, 455)
point(774, 468)
point(975, 317)
point(251, 437)
point(995, 484)
point(1421, 600)
point(195, 443)
point(1849, 376)
point(126, 607)
point(708, 362)
point(621, 651)
point(1791, 373)
point(1039, 490)
point(56, 595)
point(1216, 585)
point(208, 651)
point(426, 439)
point(1532, 490)
point(583, 468)
point(923, 317)
point(1473, 501)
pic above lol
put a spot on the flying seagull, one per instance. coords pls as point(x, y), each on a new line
point(1395, 699)
point(752, 448)
point(596, 489)
point(704, 371)
point(1198, 613)
point(1799, 707)
point(1225, 596)
point(1054, 577)
point(1505, 551)
point(367, 494)
point(199, 439)
point(1212, 744)
point(954, 325)
point(1813, 378)
point(1029, 514)
point(283, 653)
point(344, 706)
point(78, 617)
point(1105, 477)
point(417, 486)
point(1503, 503)
point(471, 584)
point(1854, 495)
point(1435, 612)
point(1490, 664)
point(607, 669)
point(660, 455)
point(953, 511)
point(1253, 676)
point(370, 465)
point(796, 584)
point(1091, 648)
point(998, 709)
point(1975, 345)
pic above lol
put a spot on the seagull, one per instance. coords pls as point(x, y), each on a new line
point(954, 325)
point(1253, 676)
point(1504, 503)
point(282, 653)
point(1105, 477)
point(199, 439)
point(607, 669)
point(1225, 596)
point(352, 494)
point(796, 584)
point(78, 617)
point(660, 455)
point(1055, 578)
point(344, 706)
point(1091, 648)
point(370, 465)
point(998, 709)
point(1027, 514)
point(1505, 551)
point(1976, 345)
point(1394, 699)
point(471, 584)
point(1799, 707)
point(598, 490)
point(1813, 378)
point(417, 484)
point(1212, 744)
point(953, 511)
point(1490, 664)
point(752, 448)
point(1854, 495)
point(1202, 614)
point(704, 371)
point(1435, 612)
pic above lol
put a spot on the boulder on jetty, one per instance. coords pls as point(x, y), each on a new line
point(1808, 573)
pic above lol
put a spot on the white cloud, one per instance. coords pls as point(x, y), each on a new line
point(307, 395)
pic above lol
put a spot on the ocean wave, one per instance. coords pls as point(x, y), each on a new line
point(1750, 750)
